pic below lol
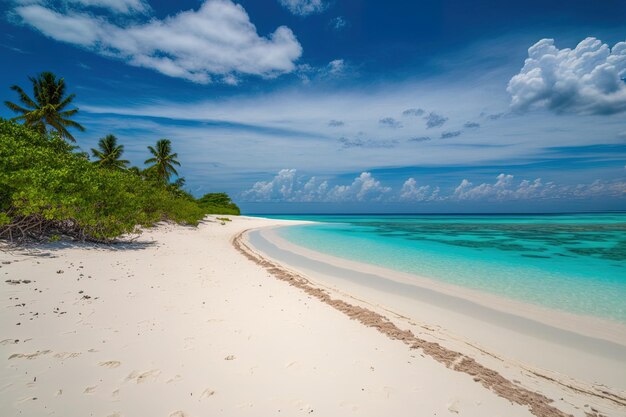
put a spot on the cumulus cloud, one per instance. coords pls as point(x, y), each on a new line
point(435, 120)
point(451, 134)
point(471, 125)
point(588, 79)
point(287, 185)
point(217, 41)
point(364, 188)
point(413, 112)
point(390, 122)
point(505, 189)
point(303, 7)
point(412, 192)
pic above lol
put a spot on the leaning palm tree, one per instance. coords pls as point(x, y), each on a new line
point(47, 107)
point(110, 153)
point(163, 160)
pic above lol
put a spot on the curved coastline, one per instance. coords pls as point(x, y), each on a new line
point(587, 349)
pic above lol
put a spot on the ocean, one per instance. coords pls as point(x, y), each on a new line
point(570, 262)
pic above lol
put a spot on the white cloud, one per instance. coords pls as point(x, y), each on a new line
point(588, 79)
point(411, 192)
point(217, 40)
point(335, 68)
point(303, 7)
point(504, 189)
point(364, 188)
point(119, 6)
point(288, 186)
point(339, 23)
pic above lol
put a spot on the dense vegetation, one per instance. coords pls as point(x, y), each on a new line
point(48, 189)
point(218, 203)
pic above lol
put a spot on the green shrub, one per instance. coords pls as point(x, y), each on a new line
point(47, 189)
point(218, 203)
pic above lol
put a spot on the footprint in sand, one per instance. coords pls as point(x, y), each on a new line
point(207, 393)
point(110, 364)
point(141, 377)
point(176, 378)
point(66, 355)
point(178, 414)
point(9, 342)
point(90, 390)
point(29, 355)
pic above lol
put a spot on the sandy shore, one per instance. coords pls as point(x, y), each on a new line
point(183, 323)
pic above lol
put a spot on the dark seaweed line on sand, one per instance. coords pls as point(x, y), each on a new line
point(538, 404)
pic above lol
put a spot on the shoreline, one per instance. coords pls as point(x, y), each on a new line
point(601, 356)
point(592, 326)
point(180, 323)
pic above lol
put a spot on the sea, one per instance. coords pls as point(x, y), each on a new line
point(570, 262)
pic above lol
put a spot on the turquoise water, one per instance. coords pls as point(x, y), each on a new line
point(575, 263)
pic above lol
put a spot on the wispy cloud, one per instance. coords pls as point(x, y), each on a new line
point(413, 112)
point(366, 143)
point(390, 122)
point(303, 7)
point(435, 120)
point(420, 139)
point(339, 23)
point(118, 6)
point(450, 134)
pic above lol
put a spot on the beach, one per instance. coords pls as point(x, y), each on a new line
point(200, 321)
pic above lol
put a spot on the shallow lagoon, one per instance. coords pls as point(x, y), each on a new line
point(573, 262)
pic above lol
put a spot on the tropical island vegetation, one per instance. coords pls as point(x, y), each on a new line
point(49, 188)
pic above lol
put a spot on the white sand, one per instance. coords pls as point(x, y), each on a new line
point(187, 326)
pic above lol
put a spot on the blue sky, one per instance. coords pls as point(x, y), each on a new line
point(346, 106)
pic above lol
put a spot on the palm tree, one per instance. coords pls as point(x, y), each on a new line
point(109, 154)
point(163, 160)
point(47, 108)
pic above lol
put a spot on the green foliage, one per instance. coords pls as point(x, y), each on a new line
point(47, 108)
point(109, 153)
point(218, 203)
point(46, 189)
point(163, 161)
